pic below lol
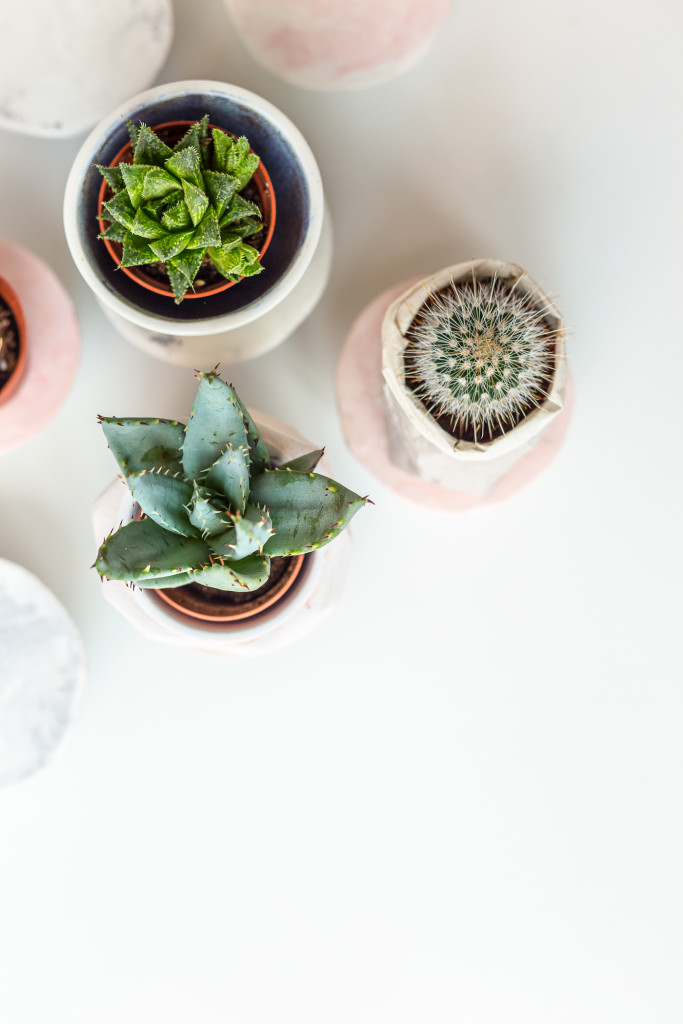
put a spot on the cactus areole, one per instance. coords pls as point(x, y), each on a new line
point(216, 515)
point(186, 209)
point(480, 356)
point(12, 341)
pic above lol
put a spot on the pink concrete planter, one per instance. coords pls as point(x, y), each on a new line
point(367, 427)
point(338, 44)
point(52, 346)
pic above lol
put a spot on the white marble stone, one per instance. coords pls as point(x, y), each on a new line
point(43, 672)
point(64, 65)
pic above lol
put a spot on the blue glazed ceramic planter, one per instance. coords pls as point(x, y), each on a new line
point(259, 312)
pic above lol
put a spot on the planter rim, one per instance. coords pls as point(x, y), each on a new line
point(397, 320)
point(85, 158)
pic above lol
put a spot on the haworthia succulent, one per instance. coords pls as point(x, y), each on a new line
point(169, 200)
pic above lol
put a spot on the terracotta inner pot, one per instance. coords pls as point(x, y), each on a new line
point(12, 341)
point(461, 431)
point(263, 195)
point(207, 605)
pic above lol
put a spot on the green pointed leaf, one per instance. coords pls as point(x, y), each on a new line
point(163, 498)
point(245, 169)
point(182, 270)
point(149, 149)
point(143, 550)
point(222, 147)
point(144, 444)
point(248, 535)
point(186, 165)
point(307, 510)
point(304, 463)
point(194, 136)
point(136, 252)
point(232, 234)
point(236, 154)
point(146, 227)
point(171, 245)
point(115, 232)
point(239, 207)
point(120, 209)
point(132, 132)
point(205, 515)
point(216, 421)
point(229, 475)
point(159, 183)
point(220, 189)
point(259, 457)
point(113, 177)
point(176, 217)
point(196, 201)
point(250, 262)
point(207, 232)
point(134, 176)
point(179, 579)
point(226, 259)
point(248, 574)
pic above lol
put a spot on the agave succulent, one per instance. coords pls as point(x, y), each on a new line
point(482, 354)
point(180, 206)
point(215, 509)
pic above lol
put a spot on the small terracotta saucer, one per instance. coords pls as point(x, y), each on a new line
point(361, 407)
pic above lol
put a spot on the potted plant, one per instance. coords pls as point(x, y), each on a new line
point(39, 344)
point(218, 533)
point(472, 372)
point(271, 298)
point(12, 341)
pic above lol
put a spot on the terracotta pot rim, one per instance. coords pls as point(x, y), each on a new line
point(10, 297)
point(263, 183)
point(238, 614)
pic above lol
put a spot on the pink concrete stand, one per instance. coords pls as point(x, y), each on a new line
point(53, 346)
point(361, 407)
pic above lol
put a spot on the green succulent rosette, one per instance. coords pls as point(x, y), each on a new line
point(179, 206)
point(215, 508)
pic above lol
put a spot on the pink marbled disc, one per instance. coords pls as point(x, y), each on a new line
point(361, 407)
point(53, 338)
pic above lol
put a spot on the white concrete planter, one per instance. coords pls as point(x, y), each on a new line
point(418, 444)
point(63, 65)
point(283, 624)
point(338, 44)
point(253, 316)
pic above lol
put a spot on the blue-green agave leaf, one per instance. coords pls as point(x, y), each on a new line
point(204, 513)
point(216, 421)
point(248, 535)
point(248, 574)
point(144, 444)
point(304, 463)
point(229, 475)
point(163, 498)
point(307, 509)
point(143, 550)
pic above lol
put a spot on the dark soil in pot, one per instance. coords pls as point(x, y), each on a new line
point(465, 432)
point(207, 606)
point(12, 341)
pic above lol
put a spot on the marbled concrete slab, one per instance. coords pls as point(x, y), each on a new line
point(64, 65)
point(41, 676)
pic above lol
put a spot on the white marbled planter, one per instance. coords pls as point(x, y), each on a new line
point(63, 65)
point(43, 673)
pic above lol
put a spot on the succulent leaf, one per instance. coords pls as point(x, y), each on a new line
point(139, 445)
point(196, 200)
point(194, 136)
point(134, 176)
point(115, 232)
point(187, 166)
point(163, 498)
point(248, 574)
point(248, 535)
point(121, 209)
point(158, 183)
point(170, 245)
point(229, 475)
point(176, 217)
point(182, 270)
point(304, 463)
point(209, 519)
point(258, 453)
point(145, 226)
point(216, 420)
point(144, 550)
point(207, 232)
point(113, 176)
point(307, 509)
point(148, 148)
point(136, 251)
point(221, 189)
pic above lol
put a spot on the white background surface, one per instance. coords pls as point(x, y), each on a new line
point(459, 803)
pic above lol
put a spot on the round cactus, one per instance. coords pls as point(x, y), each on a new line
point(482, 354)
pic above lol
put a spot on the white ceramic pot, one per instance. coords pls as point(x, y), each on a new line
point(338, 44)
point(256, 314)
point(418, 444)
point(286, 622)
